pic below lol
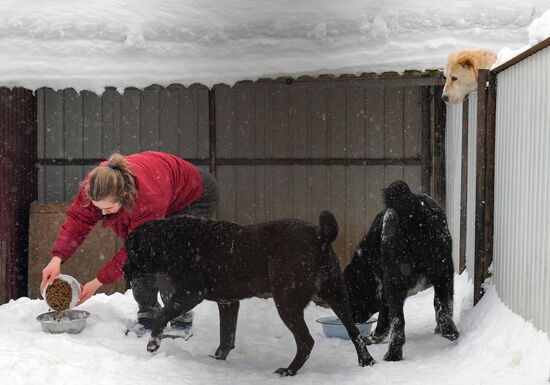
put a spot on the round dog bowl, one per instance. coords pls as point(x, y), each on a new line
point(333, 327)
point(67, 321)
point(75, 289)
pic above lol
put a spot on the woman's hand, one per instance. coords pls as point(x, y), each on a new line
point(51, 271)
point(88, 290)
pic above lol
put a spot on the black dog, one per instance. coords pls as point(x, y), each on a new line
point(408, 243)
point(224, 262)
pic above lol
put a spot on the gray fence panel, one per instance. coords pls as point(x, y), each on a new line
point(412, 115)
point(393, 119)
point(317, 113)
point(336, 122)
point(355, 123)
point(77, 130)
point(169, 128)
point(225, 122)
point(92, 139)
point(73, 125)
point(110, 111)
point(150, 119)
point(53, 128)
point(299, 123)
point(277, 127)
point(244, 135)
point(374, 120)
point(131, 125)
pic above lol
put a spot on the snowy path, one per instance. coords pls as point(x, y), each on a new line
point(496, 347)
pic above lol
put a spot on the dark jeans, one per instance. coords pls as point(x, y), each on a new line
point(145, 289)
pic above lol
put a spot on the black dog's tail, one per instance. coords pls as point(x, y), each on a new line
point(328, 227)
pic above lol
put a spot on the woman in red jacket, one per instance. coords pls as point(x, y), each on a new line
point(123, 193)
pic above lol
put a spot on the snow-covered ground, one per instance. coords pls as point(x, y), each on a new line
point(496, 347)
point(96, 43)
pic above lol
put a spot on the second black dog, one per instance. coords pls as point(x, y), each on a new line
point(408, 244)
point(224, 262)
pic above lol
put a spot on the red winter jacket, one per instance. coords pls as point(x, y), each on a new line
point(165, 184)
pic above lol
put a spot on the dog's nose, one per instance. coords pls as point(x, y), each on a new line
point(445, 98)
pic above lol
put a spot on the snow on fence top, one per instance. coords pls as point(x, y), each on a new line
point(99, 43)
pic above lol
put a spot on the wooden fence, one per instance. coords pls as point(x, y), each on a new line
point(279, 148)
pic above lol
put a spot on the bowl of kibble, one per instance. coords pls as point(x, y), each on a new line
point(62, 295)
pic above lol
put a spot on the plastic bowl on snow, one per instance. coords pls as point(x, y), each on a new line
point(75, 289)
point(333, 327)
point(66, 321)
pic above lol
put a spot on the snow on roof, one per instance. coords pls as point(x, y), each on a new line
point(97, 43)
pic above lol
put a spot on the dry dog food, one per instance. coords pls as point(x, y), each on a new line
point(59, 295)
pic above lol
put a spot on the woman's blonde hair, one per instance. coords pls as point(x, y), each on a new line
point(115, 180)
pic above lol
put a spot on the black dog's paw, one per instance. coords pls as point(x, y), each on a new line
point(449, 332)
point(452, 336)
point(393, 356)
point(374, 338)
point(221, 354)
point(367, 361)
point(285, 372)
point(153, 345)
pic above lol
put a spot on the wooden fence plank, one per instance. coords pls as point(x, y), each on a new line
point(245, 137)
point(355, 208)
point(92, 141)
point(130, 121)
point(73, 124)
point(374, 121)
point(40, 124)
point(278, 134)
point(202, 128)
point(355, 123)
point(169, 127)
point(225, 122)
point(109, 141)
point(393, 119)
point(245, 212)
point(53, 133)
point(55, 183)
point(299, 122)
point(260, 145)
point(336, 122)
point(412, 114)
point(73, 175)
point(150, 119)
point(299, 192)
point(335, 182)
point(317, 111)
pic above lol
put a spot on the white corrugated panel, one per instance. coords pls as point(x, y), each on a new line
point(521, 261)
point(453, 156)
point(471, 187)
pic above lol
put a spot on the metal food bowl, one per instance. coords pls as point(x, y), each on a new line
point(333, 327)
point(67, 321)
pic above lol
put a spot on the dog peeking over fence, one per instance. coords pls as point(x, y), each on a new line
point(461, 72)
point(224, 262)
point(408, 244)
